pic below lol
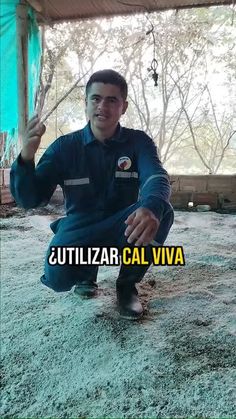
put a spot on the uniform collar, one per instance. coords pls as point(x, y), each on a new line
point(119, 135)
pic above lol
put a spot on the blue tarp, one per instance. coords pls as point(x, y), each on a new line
point(8, 69)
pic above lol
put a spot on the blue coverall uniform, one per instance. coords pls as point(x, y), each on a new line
point(103, 183)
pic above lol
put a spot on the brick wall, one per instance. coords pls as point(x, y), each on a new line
point(218, 191)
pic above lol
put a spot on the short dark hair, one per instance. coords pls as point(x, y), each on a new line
point(111, 77)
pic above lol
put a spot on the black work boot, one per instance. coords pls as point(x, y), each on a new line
point(128, 302)
point(86, 289)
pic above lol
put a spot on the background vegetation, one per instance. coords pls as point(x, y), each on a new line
point(190, 114)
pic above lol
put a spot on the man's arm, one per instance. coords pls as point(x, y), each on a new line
point(154, 180)
point(32, 186)
point(143, 224)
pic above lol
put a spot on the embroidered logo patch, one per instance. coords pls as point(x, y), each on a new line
point(124, 163)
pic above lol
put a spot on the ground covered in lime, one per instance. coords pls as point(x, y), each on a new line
point(69, 358)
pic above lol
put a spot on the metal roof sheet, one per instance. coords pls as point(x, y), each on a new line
point(61, 10)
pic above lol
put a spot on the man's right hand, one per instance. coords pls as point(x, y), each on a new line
point(32, 137)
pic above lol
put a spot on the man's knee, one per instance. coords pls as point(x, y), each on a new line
point(57, 284)
point(164, 227)
point(59, 278)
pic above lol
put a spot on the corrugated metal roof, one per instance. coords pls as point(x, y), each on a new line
point(61, 10)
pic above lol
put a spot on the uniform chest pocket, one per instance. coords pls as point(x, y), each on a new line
point(127, 185)
point(79, 192)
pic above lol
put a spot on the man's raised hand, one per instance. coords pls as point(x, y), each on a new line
point(32, 138)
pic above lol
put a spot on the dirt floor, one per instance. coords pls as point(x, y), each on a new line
point(67, 358)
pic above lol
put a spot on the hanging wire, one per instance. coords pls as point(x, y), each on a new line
point(154, 64)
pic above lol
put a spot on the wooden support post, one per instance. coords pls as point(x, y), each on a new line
point(22, 68)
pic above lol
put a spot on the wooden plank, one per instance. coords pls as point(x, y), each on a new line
point(5, 177)
point(22, 68)
point(1, 177)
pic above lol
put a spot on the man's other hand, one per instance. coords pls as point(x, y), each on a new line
point(32, 138)
point(142, 227)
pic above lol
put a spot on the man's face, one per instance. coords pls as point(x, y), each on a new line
point(104, 107)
